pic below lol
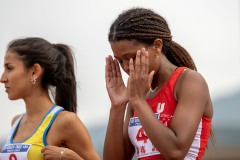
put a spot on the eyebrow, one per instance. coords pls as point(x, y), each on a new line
point(126, 55)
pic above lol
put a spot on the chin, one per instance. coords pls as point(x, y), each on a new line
point(12, 98)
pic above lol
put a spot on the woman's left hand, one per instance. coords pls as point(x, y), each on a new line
point(59, 153)
point(140, 79)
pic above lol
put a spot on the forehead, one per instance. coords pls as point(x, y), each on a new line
point(125, 47)
point(12, 57)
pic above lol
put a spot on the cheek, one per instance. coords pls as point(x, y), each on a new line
point(125, 67)
point(15, 92)
point(19, 91)
point(19, 87)
point(152, 64)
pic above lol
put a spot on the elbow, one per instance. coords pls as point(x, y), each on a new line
point(175, 155)
point(177, 151)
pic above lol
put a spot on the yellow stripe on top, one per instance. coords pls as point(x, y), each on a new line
point(37, 139)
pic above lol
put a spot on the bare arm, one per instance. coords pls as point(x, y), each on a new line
point(129, 148)
point(192, 100)
point(114, 145)
point(54, 152)
point(116, 141)
point(77, 137)
point(117, 144)
point(68, 131)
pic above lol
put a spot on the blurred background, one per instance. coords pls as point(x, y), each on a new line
point(209, 30)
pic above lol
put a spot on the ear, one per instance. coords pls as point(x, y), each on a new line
point(36, 71)
point(157, 45)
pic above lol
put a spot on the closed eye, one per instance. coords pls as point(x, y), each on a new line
point(8, 67)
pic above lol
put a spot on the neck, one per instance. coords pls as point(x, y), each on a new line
point(38, 104)
point(163, 73)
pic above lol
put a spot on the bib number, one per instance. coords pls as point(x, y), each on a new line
point(143, 145)
point(141, 135)
point(12, 157)
point(16, 151)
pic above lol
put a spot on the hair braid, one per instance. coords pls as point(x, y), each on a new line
point(145, 26)
point(179, 56)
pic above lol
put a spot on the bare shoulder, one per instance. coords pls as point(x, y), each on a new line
point(191, 83)
point(67, 119)
point(190, 79)
point(69, 131)
point(192, 89)
point(68, 125)
point(191, 75)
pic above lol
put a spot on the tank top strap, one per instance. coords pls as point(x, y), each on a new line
point(14, 128)
point(56, 109)
point(173, 79)
point(39, 136)
point(52, 116)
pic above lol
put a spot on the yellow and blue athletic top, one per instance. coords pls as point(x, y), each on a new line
point(29, 149)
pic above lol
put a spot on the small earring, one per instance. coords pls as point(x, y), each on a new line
point(33, 81)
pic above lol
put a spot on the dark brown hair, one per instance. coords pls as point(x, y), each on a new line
point(58, 63)
point(144, 25)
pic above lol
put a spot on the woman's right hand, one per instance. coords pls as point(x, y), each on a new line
point(59, 153)
point(117, 91)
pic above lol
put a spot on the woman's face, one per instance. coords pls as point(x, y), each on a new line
point(124, 50)
point(16, 78)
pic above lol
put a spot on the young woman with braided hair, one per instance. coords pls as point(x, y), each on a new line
point(167, 102)
point(50, 128)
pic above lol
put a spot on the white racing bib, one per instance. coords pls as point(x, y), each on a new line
point(139, 138)
point(15, 152)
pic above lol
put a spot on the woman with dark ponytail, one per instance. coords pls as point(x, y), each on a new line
point(165, 110)
point(50, 128)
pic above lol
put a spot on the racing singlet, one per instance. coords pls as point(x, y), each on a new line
point(29, 149)
point(163, 105)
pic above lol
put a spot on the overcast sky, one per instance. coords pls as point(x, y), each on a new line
point(209, 30)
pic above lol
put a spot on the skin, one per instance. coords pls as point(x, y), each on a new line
point(67, 130)
point(150, 68)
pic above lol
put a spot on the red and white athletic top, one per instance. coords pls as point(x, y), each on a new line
point(163, 105)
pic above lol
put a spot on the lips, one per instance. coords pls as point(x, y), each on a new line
point(6, 89)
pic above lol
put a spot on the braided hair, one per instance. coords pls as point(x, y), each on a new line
point(144, 25)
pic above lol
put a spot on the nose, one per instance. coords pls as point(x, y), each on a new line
point(3, 79)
